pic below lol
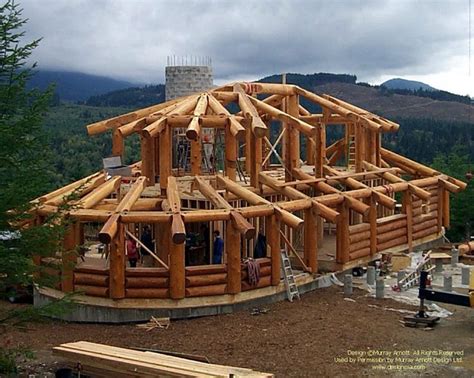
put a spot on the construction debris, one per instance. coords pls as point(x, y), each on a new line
point(162, 323)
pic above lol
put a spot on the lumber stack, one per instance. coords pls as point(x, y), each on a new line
point(104, 361)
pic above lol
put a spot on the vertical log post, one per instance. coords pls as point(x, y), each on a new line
point(165, 158)
point(177, 267)
point(232, 249)
point(118, 144)
point(441, 191)
point(196, 156)
point(342, 234)
point(293, 110)
point(230, 154)
point(446, 215)
point(156, 143)
point(358, 146)
point(69, 257)
point(310, 150)
point(248, 148)
point(310, 240)
point(407, 208)
point(272, 232)
point(373, 225)
point(117, 264)
point(148, 158)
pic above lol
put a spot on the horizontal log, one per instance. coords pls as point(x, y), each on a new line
point(356, 228)
point(257, 211)
point(147, 282)
point(424, 218)
point(359, 245)
point(466, 248)
point(391, 218)
point(147, 293)
point(145, 217)
point(205, 215)
point(392, 243)
point(387, 236)
point(206, 280)
point(264, 271)
point(146, 272)
point(204, 291)
point(93, 291)
point(359, 253)
point(264, 261)
point(264, 282)
point(424, 225)
point(90, 215)
point(91, 270)
point(395, 225)
point(423, 233)
point(90, 279)
point(357, 237)
point(202, 270)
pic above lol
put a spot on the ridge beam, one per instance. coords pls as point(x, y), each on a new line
point(259, 128)
point(302, 126)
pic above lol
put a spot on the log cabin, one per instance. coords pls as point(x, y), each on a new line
point(250, 161)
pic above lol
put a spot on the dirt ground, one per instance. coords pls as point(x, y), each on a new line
point(321, 335)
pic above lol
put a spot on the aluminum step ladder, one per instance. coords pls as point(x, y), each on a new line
point(289, 277)
point(413, 278)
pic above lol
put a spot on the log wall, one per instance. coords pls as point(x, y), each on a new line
point(359, 241)
point(92, 281)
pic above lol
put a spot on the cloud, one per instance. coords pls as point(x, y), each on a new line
point(131, 39)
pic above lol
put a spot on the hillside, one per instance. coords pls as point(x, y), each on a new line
point(412, 85)
point(76, 86)
point(393, 105)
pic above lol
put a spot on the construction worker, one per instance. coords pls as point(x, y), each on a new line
point(218, 248)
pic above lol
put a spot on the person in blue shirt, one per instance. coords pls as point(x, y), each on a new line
point(218, 248)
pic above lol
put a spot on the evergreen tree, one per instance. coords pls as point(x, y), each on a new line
point(23, 156)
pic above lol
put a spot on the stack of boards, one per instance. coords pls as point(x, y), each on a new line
point(100, 360)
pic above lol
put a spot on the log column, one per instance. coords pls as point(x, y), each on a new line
point(408, 210)
point(165, 158)
point(196, 156)
point(293, 110)
point(177, 268)
point(117, 264)
point(311, 240)
point(148, 158)
point(373, 224)
point(272, 232)
point(342, 234)
point(69, 257)
point(230, 154)
point(117, 144)
point(232, 249)
point(441, 191)
point(255, 160)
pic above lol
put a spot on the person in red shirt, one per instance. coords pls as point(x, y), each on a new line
point(132, 251)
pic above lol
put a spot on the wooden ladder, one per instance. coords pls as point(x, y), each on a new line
point(351, 156)
point(289, 277)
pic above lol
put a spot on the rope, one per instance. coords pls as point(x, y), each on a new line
point(389, 189)
point(253, 269)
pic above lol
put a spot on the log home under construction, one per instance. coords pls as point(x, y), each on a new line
point(249, 160)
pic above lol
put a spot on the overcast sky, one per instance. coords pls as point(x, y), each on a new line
point(375, 40)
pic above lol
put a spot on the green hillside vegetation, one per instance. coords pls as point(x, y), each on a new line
point(77, 154)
